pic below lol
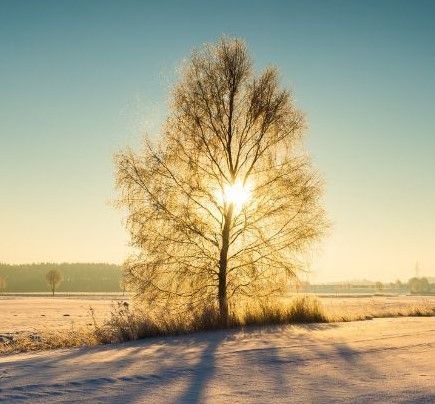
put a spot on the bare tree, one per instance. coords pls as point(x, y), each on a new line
point(223, 204)
point(53, 278)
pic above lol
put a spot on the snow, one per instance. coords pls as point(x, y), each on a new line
point(33, 313)
point(36, 313)
point(382, 360)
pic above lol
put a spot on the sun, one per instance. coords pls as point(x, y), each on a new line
point(238, 194)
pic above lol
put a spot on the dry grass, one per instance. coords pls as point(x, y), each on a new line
point(371, 311)
point(300, 310)
point(127, 324)
point(25, 342)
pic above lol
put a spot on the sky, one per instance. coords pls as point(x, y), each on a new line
point(80, 80)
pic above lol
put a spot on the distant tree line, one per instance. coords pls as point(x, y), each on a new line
point(63, 278)
point(108, 278)
point(417, 286)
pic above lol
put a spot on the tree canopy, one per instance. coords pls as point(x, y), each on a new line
point(221, 206)
point(53, 278)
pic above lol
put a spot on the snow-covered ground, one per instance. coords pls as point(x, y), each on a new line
point(35, 313)
point(382, 360)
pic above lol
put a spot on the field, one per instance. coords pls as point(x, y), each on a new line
point(382, 360)
point(41, 313)
point(34, 313)
point(385, 359)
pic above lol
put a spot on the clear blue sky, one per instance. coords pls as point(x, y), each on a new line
point(80, 79)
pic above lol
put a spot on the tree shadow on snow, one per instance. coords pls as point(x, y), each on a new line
point(276, 364)
point(204, 370)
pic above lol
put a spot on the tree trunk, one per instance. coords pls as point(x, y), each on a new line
point(223, 264)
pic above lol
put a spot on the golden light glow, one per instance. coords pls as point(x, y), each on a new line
point(237, 194)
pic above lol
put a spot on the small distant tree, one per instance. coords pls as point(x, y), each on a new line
point(414, 285)
point(379, 286)
point(419, 285)
point(3, 284)
point(53, 278)
point(424, 285)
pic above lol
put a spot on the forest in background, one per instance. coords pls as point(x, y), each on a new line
point(106, 278)
point(78, 277)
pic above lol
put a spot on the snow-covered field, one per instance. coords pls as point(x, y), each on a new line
point(35, 313)
point(382, 360)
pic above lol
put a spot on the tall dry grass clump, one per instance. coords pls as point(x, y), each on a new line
point(25, 342)
point(127, 324)
point(300, 310)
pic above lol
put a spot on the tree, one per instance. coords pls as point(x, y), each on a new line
point(3, 284)
point(424, 285)
point(398, 284)
point(419, 285)
point(379, 286)
point(53, 278)
point(222, 206)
